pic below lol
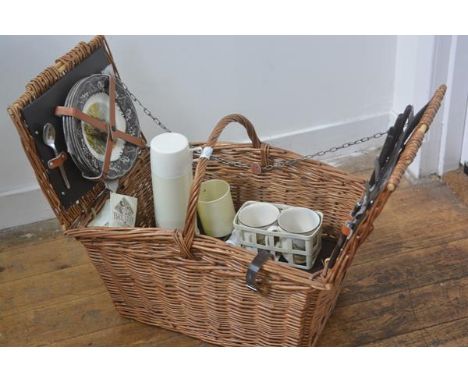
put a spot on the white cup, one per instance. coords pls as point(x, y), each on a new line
point(258, 215)
point(299, 220)
point(280, 243)
point(215, 208)
point(296, 220)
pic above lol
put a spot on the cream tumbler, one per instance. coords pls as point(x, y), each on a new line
point(215, 208)
point(171, 174)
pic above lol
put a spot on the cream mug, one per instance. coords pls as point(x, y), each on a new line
point(215, 208)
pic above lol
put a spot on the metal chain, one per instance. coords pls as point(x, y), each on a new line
point(277, 164)
point(156, 120)
point(292, 162)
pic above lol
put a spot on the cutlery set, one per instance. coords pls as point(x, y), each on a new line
point(385, 163)
point(48, 137)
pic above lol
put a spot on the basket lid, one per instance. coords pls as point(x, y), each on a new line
point(35, 108)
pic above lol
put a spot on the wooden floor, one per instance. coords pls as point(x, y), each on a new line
point(408, 285)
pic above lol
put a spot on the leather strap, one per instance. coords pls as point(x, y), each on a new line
point(58, 160)
point(110, 128)
point(107, 155)
point(98, 124)
point(112, 104)
point(78, 114)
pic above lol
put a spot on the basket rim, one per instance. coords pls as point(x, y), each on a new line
point(306, 279)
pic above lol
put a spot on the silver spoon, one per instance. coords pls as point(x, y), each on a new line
point(48, 137)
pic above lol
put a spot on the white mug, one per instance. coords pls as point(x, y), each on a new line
point(281, 242)
point(296, 220)
point(299, 220)
point(258, 215)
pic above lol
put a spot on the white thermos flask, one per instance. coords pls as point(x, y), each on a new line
point(171, 173)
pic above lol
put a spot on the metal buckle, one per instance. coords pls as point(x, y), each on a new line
point(254, 267)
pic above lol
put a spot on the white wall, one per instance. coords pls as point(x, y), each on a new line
point(454, 109)
point(422, 64)
point(414, 83)
point(304, 93)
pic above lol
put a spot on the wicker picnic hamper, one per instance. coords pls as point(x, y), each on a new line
point(195, 284)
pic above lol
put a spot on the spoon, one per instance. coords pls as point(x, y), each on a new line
point(48, 137)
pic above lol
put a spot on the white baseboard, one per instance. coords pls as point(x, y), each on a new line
point(23, 206)
point(312, 140)
point(28, 205)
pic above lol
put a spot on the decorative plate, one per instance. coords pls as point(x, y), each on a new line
point(87, 144)
point(67, 127)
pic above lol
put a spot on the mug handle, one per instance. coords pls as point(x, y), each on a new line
point(288, 256)
point(270, 240)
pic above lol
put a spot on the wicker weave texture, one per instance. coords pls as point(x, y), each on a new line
point(152, 280)
point(195, 284)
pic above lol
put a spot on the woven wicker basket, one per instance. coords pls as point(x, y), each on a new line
point(195, 284)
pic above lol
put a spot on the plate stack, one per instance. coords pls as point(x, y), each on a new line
point(85, 143)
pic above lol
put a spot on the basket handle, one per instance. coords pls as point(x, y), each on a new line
point(185, 238)
point(416, 139)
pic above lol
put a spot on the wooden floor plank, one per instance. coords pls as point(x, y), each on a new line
point(403, 312)
point(403, 271)
point(131, 334)
point(386, 241)
point(420, 222)
point(50, 288)
point(453, 333)
point(381, 244)
point(46, 325)
point(405, 209)
point(42, 257)
point(29, 234)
